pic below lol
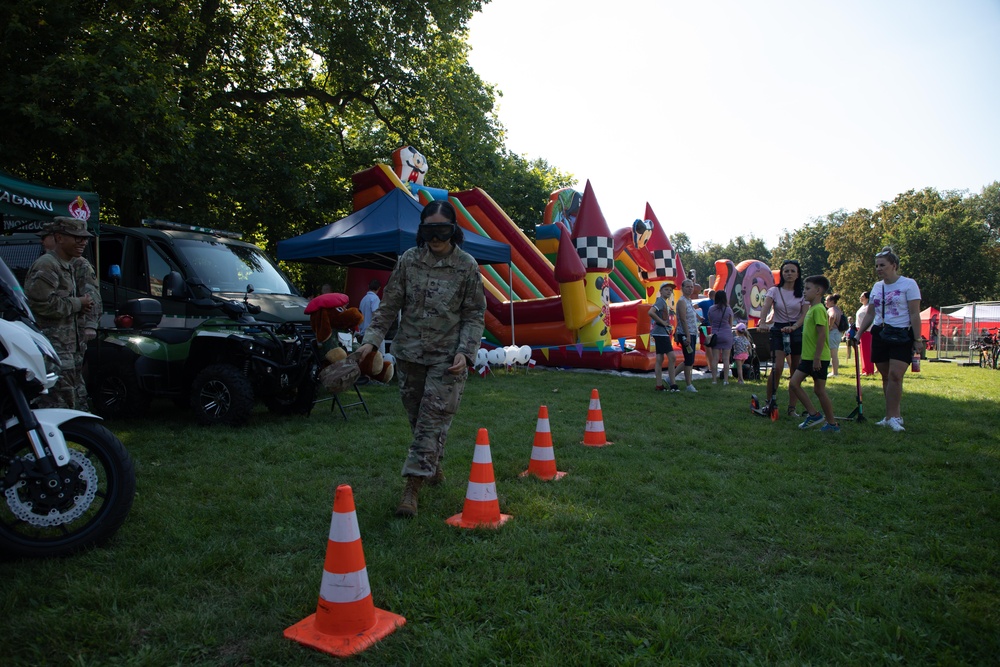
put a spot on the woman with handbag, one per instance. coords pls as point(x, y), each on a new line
point(787, 308)
point(894, 310)
point(720, 341)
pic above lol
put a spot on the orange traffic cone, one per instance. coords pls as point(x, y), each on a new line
point(346, 620)
point(482, 509)
point(593, 433)
point(543, 458)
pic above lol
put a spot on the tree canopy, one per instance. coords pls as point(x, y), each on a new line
point(251, 116)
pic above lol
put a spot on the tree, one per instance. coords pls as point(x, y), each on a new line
point(249, 115)
point(950, 257)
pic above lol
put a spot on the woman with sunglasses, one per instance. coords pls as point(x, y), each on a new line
point(437, 292)
point(787, 307)
point(894, 302)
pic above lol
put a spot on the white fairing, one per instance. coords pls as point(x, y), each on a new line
point(50, 419)
point(28, 349)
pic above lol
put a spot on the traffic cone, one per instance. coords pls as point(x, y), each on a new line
point(543, 459)
point(346, 620)
point(481, 509)
point(593, 433)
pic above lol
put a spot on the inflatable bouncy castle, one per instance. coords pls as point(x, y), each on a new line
point(578, 296)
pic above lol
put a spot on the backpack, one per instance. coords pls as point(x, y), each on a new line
point(843, 326)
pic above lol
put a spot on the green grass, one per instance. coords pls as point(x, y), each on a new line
point(704, 535)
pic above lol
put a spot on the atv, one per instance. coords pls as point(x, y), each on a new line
point(221, 367)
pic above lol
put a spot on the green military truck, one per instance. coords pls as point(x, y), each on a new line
point(145, 255)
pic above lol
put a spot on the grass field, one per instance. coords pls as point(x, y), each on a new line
point(704, 535)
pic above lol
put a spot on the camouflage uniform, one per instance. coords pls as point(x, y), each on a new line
point(442, 305)
point(54, 288)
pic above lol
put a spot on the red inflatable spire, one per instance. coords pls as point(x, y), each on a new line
point(569, 266)
point(668, 262)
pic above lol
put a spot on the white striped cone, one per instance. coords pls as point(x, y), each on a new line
point(346, 620)
point(543, 458)
point(593, 432)
point(482, 507)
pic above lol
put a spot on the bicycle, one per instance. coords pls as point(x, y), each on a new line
point(988, 346)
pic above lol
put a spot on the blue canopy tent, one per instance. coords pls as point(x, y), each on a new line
point(373, 237)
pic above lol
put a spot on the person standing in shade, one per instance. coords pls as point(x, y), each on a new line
point(660, 331)
point(895, 303)
point(369, 304)
point(687, 332)
point(61, 305)
point(437, 292)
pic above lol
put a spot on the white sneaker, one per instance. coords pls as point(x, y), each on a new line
point(691, 388)
point(896, 424)
point(882, 422)
point(725, 383)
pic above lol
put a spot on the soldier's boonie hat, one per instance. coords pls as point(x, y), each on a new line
point(45, 231)
point(66, 225)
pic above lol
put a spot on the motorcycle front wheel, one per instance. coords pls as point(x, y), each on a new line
point(80, 507)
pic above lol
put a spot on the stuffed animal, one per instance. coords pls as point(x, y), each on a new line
point(328, 315)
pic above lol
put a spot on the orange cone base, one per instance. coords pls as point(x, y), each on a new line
point(342, 646)
point(547, 478)
point(596, 444)
point(461, 523)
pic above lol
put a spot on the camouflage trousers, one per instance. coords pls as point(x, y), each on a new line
point(430, 397)
point(70, 391)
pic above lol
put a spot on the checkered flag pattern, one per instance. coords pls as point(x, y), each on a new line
point(597, 252)
point(663, 265)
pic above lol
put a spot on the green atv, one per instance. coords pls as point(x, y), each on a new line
point(220, 368)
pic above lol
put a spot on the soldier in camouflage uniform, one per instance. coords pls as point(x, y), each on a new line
point(438, 293)
point(63, 293)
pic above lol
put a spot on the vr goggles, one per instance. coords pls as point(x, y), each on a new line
point(437, 231)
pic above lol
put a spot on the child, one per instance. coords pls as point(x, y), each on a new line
point(741, 349)
point(815, 357)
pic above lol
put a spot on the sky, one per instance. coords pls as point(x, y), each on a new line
point(747, 118)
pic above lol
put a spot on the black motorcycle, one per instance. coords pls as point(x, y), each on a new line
point(67, 482)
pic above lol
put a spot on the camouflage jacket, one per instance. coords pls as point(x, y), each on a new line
point(51, 288)
point(441, 304)
point(86, 283)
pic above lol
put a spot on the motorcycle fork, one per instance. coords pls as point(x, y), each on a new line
point(46, 453)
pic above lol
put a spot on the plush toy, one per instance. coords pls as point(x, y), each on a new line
point(328, 315)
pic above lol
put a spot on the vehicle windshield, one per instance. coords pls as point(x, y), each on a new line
point(226, 267)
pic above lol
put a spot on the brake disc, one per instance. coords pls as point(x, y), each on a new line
point(20, 503)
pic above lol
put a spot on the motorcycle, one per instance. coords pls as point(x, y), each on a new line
point(66, 482)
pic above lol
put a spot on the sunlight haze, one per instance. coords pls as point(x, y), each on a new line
point(747, 118)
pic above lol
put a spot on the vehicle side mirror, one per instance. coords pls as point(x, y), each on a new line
point(174, 286)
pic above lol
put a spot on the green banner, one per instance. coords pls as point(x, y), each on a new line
point(25, 206)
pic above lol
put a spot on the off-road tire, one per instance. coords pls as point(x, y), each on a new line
point(221, 394)
point(115, 393)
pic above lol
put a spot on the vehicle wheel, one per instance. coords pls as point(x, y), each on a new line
point(115, 393)
point(221, 394)
point(84, 507)
point(294, 400)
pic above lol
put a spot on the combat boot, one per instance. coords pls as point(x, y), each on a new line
point(408, 505)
